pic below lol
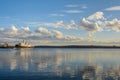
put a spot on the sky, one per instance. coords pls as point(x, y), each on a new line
point(60, 22)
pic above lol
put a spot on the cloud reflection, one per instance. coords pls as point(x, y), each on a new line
point(74, 63)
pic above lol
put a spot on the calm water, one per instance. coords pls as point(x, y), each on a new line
point(59, 64)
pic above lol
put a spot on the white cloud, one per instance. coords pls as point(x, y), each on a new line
point(96, 16)
point(68, 37)
point(56, 15)
point(89, 26)
point(93, 23)
point(72, 5)
point(42, 30)
point(13, 29)
point(48, 24)
point(113, 24)
point(114, 8)
point(73, 11)
point(25, 28)
point(9, 31)
point(40, 34)
point(71, 25)
point(45, 33)
point(59, 24)
point(1, 29)
point(13, 32)
point(57, 34)
point(44, 36)
point(83, 6)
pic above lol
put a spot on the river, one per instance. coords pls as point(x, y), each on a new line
point(59, 64)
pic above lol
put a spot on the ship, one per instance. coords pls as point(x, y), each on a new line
point(23, 44)
point(6, 45)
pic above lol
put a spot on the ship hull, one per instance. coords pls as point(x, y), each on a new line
point(17, 46)
point(23, 47)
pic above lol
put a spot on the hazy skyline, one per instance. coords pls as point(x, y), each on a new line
point(60, 21)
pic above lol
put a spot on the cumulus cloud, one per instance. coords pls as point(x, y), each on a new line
point(25, 28)
point(59, 24)
point(14, 29)
point(71, 25)
point(68, 37)
point(86, 23)
point(9, 31)
point(96, 16)
point(42, 30)
point(62, 24)
point(89, 26)
point(114, 8)
point(57, 34)
point(113, 24)
point(92, 24)
point(101, 23)
point(45, 34)
point(42, 35)
point(25, 33)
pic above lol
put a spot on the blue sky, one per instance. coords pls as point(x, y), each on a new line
point(60, 21)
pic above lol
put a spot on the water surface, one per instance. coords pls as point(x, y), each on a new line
point(59, 64)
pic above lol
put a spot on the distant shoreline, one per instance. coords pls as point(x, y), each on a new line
point(78, 46)
point(68, 46)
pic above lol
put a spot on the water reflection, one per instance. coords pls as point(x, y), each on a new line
point(76, 64)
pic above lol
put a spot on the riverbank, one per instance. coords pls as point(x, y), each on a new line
point(78, 46)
